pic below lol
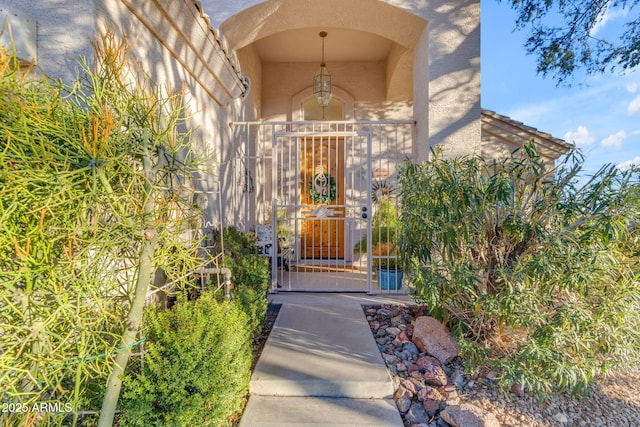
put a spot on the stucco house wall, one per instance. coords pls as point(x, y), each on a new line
point(364, 82)
point(64, 31)
point(176, 44)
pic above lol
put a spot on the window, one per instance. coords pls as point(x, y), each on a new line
point(313, 111)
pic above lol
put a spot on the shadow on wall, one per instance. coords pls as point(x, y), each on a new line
point(454, 91)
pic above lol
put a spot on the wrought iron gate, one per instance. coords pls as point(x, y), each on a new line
point(320, 188)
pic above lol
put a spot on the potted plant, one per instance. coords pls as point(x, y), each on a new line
point(386, 264)
point(384, 233)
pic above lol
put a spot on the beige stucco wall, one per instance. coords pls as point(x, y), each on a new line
point(176, 47)
point(363, 81)
point(447, 78)
point(252, 69)
point(20, 31)
point(64, 32)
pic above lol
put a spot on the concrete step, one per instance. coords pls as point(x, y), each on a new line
point(321, 351)
point(268, 411)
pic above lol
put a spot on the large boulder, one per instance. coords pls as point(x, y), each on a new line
point(430, 336)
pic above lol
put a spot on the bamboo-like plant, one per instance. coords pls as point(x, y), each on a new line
point(536, 270)
point(94, 199)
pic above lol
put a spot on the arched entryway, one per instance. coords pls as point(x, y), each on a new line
point(370, 51)
point(379, 57)
point(314, 168)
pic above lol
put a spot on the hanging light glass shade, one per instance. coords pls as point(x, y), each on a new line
point(322, 80)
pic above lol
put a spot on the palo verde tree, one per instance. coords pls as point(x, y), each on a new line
point(563, 35)
point(537, 272)
point(94, 199)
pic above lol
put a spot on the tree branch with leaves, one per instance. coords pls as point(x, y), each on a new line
point(563, 35)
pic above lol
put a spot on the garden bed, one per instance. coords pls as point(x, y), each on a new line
point(613, 401)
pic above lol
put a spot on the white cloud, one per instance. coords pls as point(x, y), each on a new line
point(608, 15)
point(634, 106)
point(633, 87)
point(581, 137)
point(614, 141)
point(532, 114)
point(627, 164)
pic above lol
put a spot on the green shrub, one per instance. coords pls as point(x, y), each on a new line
point(250, 274)
point(237, 244)
point(537, 272)
point(196, 369)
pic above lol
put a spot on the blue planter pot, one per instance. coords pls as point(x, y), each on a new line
point(389, 280)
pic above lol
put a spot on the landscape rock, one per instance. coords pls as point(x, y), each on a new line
point(518, 390)
point(415, 373)
point(382, 340)
point(401, 338)
point(451, 392)
point(416, 414)
point(411, 348)
point(389, 358)
point(403, 404)
point(430, 336)
point(467, 415)
point(393, 331)
point(424, 361)
point(429, 393)
point(405, 356)
point(402, 392)
point(384, 313)
point(396, 320)
point(431, 407)
point(410, 386)
point(434, 375)
point(560, 418)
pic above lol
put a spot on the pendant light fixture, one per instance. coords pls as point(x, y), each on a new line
point(322, 80)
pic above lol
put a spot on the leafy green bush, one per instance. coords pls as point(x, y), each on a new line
point(536, 272)
point(384, 226)
point(196, 369)
point(250, 276)
point(249, 273)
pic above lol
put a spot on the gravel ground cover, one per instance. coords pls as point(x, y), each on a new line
point(613, 401)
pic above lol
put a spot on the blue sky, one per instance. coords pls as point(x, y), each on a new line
point(600, 114)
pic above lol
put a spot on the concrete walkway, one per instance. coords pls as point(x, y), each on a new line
point(321, 366)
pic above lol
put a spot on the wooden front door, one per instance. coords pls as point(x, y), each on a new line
point(323, 198)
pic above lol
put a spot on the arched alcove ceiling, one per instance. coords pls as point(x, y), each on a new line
point(360, 30)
